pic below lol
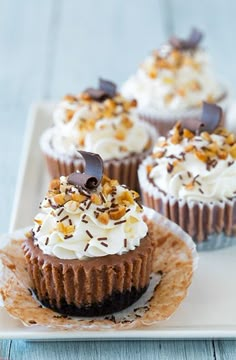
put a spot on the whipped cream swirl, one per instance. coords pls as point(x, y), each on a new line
point(76, 224)
point(172, 80)
point(110, 128)
point(201, 168)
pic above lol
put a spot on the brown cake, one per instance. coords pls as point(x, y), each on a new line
point(89, 252)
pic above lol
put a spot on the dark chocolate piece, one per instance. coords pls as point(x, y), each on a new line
point(209, 121)
point(189, 44)
point(96, 94)
point(211, 116)
point(106, 90)
point(92, 176)
point(108, 87)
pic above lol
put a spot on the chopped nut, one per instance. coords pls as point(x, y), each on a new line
point(107, 189)
point(117, 213)
point(230, 140)
point(175, 138)
point(96, 199)
point(188, 134)
point(168, 98)
point(149, 168)
point(189, 186)
point(152, 73)
point(206, 136)
point(233, 151)
point(38, 221)
point(70, 98)
point(181, 92)
point(69, 114)
point(105, 179)
point(168, 80)
point(78, 197)
point(201, 155)
point(222, 154)
point(120, 134)
point(54, 184)
point(159, 154)
point(125, 198)
point(126, 122)
point(103, 218)
point(114, 182)
point(59, 199)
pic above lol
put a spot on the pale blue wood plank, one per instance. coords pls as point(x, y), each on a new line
point(24, 29)
point(103, 38)
point(107, 350)
point(225, 350)
point(217, 19)
point(4, 349)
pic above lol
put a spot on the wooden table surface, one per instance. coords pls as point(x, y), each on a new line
point(50, 47)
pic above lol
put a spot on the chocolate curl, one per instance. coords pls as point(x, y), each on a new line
point(108, 87)
point(93, 173)
point(210, 119)
point(107, 90)
point(189, 44)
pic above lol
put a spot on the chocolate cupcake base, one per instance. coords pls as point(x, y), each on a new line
point(94, 286)
point(211, 223)
point(165, 122)
point(117, 301)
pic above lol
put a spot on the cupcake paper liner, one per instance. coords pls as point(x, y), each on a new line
point(174, 262)
point(124, 169)
point(213, 222)
point(164, 121)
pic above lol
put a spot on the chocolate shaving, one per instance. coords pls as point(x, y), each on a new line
point(187, 44)
point(211, 116)
point(108, 87)
point(92, 176)
point(210, 119)
point(107, 90)
point(96, 94)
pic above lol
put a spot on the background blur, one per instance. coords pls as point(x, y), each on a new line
point(51, 47)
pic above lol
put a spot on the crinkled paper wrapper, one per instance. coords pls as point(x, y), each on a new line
point(164, 121)
point(175, 260)
point(123, 169)
point(211, 225)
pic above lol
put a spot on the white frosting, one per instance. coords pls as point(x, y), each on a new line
point(101, 139)
point(79, 245)
point(214, 184)
point(151, 93)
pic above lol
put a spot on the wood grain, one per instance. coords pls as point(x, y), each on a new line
point(5, 349)
point(105, 38)
point(151, 350)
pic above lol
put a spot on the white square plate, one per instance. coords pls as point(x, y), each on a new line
point(209, 310)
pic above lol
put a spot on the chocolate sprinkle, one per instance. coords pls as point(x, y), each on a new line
point(92, 176)
point(89, 234)
point(187, 44)
point(104, 244)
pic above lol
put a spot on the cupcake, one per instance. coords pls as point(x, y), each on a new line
point(100, 121)
point(190, 177)
point(173, 81)
point(89, 252)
